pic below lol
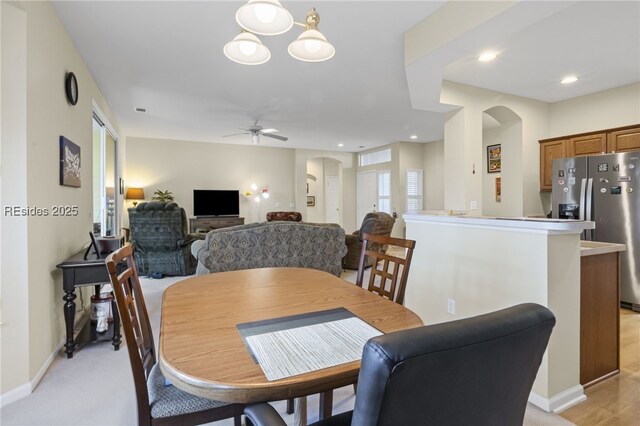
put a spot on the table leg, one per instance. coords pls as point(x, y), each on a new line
point(116, 324)
point(69, 316)
point(300, 414)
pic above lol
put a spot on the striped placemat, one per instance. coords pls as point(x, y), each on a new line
point(298, 344)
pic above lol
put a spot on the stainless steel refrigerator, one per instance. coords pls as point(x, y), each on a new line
point(606, 190)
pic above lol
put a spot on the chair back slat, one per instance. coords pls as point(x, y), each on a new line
point(135, 323)
point(389, 273)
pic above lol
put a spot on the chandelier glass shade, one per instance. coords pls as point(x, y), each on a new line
point(247, 49)
point(264, 17)
point(269, 17)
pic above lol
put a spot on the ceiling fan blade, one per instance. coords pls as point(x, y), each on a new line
point(270, 130)
point(236, 134)
point(270, 135)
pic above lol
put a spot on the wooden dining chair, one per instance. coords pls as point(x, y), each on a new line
point(158, 403)
point(388, 278)
point(389, 273)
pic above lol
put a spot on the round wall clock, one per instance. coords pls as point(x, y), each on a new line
point(71, 87)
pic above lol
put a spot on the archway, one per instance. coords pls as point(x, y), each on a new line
point(502, 180)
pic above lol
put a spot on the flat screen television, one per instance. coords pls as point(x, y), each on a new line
point(215, 202)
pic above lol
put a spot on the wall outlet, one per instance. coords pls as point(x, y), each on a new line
point(451, 306)
point(277, 205)
point(473, 205)
point(292, 205)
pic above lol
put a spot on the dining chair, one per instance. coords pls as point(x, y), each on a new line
point(388, 278)
point(473, 371)
point(159, 403)
point(389, 273)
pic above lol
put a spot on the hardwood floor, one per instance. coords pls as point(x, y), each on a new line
point(615, 401)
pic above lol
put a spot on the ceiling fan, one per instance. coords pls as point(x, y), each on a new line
point(257, 130)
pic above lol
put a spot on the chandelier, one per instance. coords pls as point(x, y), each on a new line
point(269, 17)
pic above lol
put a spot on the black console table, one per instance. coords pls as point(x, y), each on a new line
point(78, 272)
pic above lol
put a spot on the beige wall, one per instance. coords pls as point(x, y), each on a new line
point(410, 157)
point(611, 108)
point(182, 166)
point(49, 55)
point(434, 175)
point(464, 150)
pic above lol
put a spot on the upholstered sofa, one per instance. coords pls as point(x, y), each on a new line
point(271, 244)
point(377, 223)
point(284, 216)
point(160, 239)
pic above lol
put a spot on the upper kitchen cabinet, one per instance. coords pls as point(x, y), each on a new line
point(624, 140)
point(587, 145)
point(549, 151)
point(593, 143)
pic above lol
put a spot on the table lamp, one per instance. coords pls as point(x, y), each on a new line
point(134, 194)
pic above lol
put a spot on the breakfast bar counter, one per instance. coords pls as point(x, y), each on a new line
point(465, 266)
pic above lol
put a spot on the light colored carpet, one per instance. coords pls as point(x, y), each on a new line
point(95, 386)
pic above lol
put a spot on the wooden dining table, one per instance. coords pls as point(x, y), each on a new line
point(202, 352)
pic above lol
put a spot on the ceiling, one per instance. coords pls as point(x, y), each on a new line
point(167, 57)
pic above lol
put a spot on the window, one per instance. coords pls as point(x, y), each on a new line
point(383, 156)
point(414, 190)
point(384, 191)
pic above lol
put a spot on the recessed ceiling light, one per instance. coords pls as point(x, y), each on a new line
point(569, 79)
point(140, 109)
point(487, 56)
point(340, 144)
point(413, 137)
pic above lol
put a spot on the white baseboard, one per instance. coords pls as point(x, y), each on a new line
point(26, 389)
point(559, 402)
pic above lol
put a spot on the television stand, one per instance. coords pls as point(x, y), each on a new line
point(206, 224)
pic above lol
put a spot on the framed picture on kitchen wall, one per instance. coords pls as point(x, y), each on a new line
point(494, 158)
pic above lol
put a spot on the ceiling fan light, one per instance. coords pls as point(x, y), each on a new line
point(311, 46)
point(255, 139)
point(247, 49)
point(264, 17)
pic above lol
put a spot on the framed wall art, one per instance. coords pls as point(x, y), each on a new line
point(494, 158)
point(498, 189)
point(69, 163)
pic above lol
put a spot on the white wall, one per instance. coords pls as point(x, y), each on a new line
point(50, 54)
point(434, 175)
point(182, 166)
point(603, 110)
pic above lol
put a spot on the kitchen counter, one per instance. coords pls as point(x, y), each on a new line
point(522, 223)
point(465, 266)
point(591, 248)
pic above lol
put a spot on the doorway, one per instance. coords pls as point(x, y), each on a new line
point(367, 194)
point(105, 178)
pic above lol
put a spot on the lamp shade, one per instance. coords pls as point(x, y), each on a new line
point(247, 49)
point(134, 194)
point(311, 46)
point(264, 17)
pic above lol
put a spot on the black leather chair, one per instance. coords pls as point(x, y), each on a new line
point(475, 371)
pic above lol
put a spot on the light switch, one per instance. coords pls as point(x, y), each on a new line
point(473, 205)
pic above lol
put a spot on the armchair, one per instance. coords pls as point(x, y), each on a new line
point(160, 239)
point(375, 223)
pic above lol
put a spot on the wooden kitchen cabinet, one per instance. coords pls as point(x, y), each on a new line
point(587, 145)
point(620, 139)
point(549, 151)
point(624, 140)
point(599, 317)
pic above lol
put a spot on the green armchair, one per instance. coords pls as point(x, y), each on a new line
point(160, 239)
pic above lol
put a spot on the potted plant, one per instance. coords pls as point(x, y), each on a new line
point(163, 196)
